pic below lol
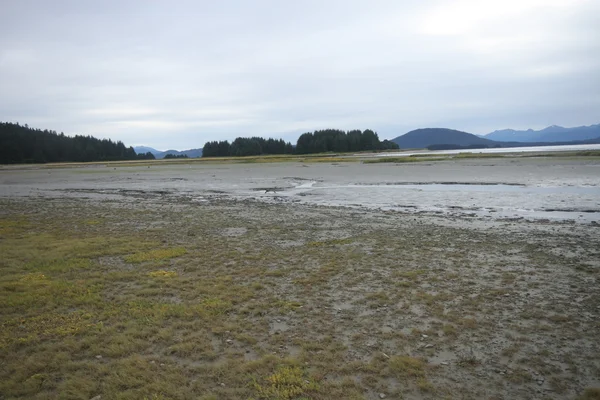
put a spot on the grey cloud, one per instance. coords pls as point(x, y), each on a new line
point(179, 74)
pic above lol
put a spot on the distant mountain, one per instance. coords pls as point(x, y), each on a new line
point(552, 133)
point(146, 149)
point(191, 153)
point(421, 138)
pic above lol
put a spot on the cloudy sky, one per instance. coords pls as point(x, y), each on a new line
point(175, 74)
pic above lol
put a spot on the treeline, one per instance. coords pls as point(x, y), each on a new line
point(168, 156)
point(22, 144)
point(146, 156)
point(317, 142)
point(253, 146)
point(340, 141)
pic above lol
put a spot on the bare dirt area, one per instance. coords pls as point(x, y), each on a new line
point(145, 295)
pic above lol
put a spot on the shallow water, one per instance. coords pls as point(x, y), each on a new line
point(535, 188)
point(492, 200)
point(528, 149)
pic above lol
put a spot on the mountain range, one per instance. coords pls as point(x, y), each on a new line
point(438, 138)
point(191, 153)
point(552, 133)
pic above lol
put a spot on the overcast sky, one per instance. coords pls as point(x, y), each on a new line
point(175, 74)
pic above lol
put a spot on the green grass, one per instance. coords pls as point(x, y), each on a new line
point(479, 155)
point(286, 383)
point(156, 255)
point(163, 274)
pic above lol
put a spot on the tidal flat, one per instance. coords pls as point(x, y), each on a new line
point(454, 279)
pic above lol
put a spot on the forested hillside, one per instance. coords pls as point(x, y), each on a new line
point(22, 144)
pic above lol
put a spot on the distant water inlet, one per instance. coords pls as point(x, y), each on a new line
point(531, 149)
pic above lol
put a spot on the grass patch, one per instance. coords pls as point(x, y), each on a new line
point(49, 251)
point(321, 276)
point(156, 255)
point(478, 155)
point(407, 367)
point(10, 225)
point(400, 160)
point(20, 331)
point(162, 274)
point(288, 382)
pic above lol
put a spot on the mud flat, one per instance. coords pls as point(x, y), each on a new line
point(157, 283)
point(554, 188)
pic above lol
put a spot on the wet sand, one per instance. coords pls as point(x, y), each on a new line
point(559, 189)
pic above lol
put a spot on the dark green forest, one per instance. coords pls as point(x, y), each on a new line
point(22, 144)
point(339, 141)
point(253, 146)
point(328, 140)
